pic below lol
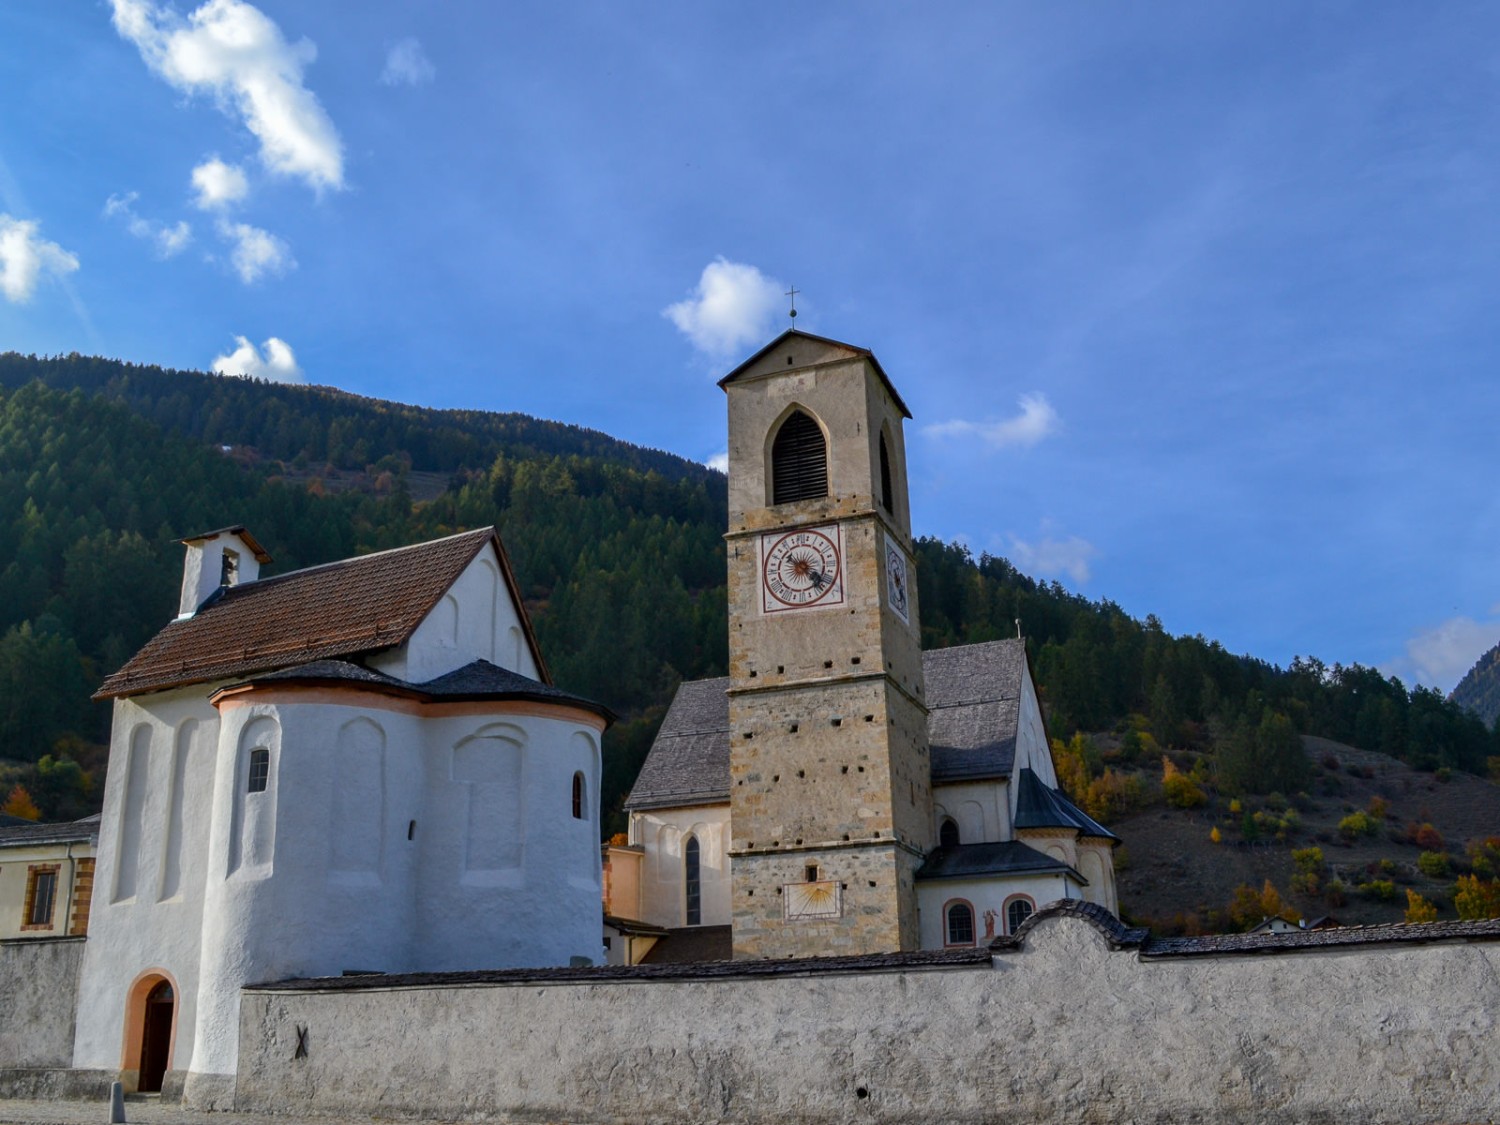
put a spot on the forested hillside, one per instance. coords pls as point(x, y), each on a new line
point(618, 549)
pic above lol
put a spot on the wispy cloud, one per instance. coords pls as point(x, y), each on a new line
point(255, 253)
point(719, 461)
point(1053, 556)
point(406, 64)
point(26, 257)
point(1439, 656)
point(1036, 421)
point(166, 240)
point(218, 185)
point(234, 52)
point(732, 307)
point(275, 362)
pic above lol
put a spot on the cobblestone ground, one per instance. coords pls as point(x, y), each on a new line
point(151, 1111)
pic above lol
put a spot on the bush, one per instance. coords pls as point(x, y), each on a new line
point(1378, 807)
point(1426, 837)
point(1181, 793)
point(1444, 774)
point(1334, 894)
point(1433, 864)
point(1381, 889)
point(1493, 764)
point(1475, 899)
point(1331, 762)
point(1358, 824)
point(1216, 836)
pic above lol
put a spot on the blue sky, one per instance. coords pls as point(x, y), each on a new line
point(1194, 304)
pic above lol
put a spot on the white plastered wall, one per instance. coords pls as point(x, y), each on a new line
point(981, 809)
point(1031, 736)
point(475, 620)
point(662, 833)
point(984, 894)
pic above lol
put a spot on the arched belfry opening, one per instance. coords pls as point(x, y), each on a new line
point(799, 460)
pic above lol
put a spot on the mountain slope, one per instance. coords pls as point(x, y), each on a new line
point(1479, 690)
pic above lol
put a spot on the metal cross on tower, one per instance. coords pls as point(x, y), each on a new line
point(792, 293)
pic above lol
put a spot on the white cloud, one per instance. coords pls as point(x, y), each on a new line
point(406, 64)
point(1037, 420)
point(276, 363)
point(255, 253)
point(233, 51)
point(218, 185)
point(1050, 557)
point(168, 241)
point(25, 257)
point(732, 307)
point(1438, 657)
point(719, 461)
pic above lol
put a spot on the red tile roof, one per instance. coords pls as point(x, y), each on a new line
point(340, 609)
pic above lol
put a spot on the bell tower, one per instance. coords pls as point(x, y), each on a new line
point(830, 776)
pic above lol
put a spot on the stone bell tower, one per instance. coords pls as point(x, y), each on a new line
point(830, 776)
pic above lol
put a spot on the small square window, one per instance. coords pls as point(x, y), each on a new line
point(260, 770)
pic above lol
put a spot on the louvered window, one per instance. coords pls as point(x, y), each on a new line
point(885, 477)
point(799, 461)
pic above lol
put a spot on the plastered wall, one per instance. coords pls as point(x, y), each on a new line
point(38, 990)
point(1063, 1030)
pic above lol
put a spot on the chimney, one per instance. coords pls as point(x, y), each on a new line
point(215, 560)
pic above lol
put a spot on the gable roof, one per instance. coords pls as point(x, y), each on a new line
point(793, 335)
point(29, 833)
point(1009, 857)
point(340, 609)
point(974, 705)
point(1038, 806)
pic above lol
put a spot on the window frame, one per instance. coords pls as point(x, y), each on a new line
point(258, 770)
point(579, 792)
point(1017, 900)
point(948, 908)
point(36, 875)
point(943, 830)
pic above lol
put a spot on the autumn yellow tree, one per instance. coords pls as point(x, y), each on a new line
point(20, 804)
point(1476, 898)
point(1418, 909)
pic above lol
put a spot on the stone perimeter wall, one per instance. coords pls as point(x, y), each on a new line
point(1063, 1029)
point(38, 994)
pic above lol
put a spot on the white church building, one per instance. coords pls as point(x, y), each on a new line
point(357, 767)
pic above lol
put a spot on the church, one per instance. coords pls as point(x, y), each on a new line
point(358, 767)
point(840, 791)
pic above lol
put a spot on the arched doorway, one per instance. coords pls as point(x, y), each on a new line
point(156, 1037)
point(150, 1013)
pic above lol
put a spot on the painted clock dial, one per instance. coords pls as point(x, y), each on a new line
point(801, 569)
point(895, 581)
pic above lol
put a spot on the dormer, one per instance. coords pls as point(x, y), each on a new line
point(217, 560)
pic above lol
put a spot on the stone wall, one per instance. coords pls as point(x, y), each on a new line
point(38, 993)
point(1076, 1020)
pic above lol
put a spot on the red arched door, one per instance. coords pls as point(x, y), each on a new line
point(156, 1037)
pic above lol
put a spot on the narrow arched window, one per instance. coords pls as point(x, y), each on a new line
point(694, 886)
point(885, 477)
point(799, 461)
point(260, 770)
point(948, 833)
point(958, 921)
point(1017, 912)
point(578, 796)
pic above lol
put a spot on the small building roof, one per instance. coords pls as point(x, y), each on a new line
point(793, 336)
point(1038, 806)
point(973, 699)
point(262, 556)
point(340, 609)
point(477, 681)
point(963, 861)
point(29, 833)
point(692, 945)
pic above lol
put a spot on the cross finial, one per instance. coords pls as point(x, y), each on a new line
point(792, 293)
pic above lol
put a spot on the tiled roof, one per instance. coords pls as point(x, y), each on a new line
point(692, 945)
point(927, 959)
point(478, 680)
point(1038, 806)
point(1121, 936)
point(28, 833)
point(340, 609)
point(1009, 858)
point(794, 335)
point(973, 696)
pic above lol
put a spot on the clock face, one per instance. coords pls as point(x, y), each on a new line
point(895, 582)
point(801, 569)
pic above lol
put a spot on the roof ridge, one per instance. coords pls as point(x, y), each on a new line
point(260, 582)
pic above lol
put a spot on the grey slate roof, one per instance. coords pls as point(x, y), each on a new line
point(1009, 858)
point(692, 945)
point(29, 833)
point(973, 696)
point(478, 680)
point(1038, 806)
